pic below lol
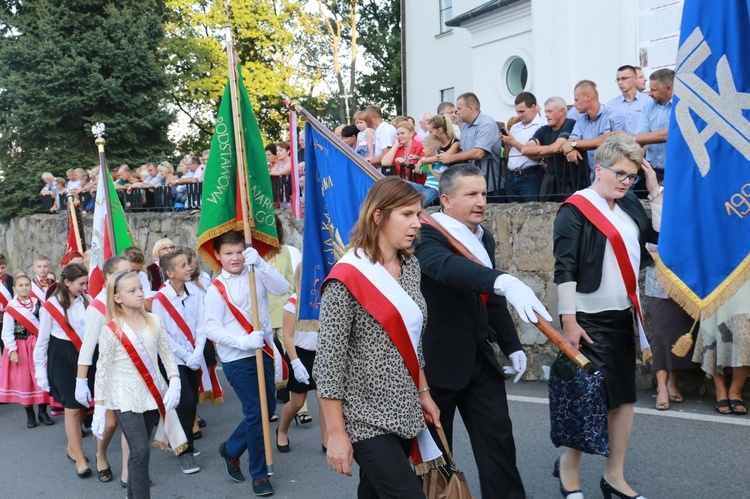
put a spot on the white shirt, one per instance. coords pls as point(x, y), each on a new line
point(385, 136)
point(221, 326)
point(94, 321)
point(147, 291)
point(190, 306)
point(49, 327)
point(523, 133)
point(303, 339)
point(295, 256)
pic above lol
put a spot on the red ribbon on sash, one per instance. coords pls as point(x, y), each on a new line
point(239, 317)
point(57, 314)
point(176, 317)
point(99, 306)
point(4, 294)
point(20, 318)
point(614, 237)
point(139, 366)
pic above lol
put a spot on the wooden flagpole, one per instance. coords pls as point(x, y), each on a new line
point(246, 214)
point(545, 327)
point(74, 217)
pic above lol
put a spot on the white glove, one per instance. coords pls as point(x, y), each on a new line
point(252, 257)
point(518, 359)
point(83, 394)
point(521, 297)
point(252, 341)
point(172, 397)
point(300, 372)
point(43, 383)
point(97, 424)
point(194, 362)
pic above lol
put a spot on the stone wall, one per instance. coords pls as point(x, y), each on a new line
point(524, 248)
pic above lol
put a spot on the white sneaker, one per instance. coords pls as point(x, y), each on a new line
point(188, 464)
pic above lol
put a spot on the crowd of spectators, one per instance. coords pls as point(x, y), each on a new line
point(152, 186)
point(527, 158)
point(524, 159)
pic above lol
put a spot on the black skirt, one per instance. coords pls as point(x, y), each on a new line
point(62, 369)
point(668, 322)
point(307, 357)
point(613, 352)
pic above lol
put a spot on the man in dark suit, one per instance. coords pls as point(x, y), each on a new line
point(467, 311)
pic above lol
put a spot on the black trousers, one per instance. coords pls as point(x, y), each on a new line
point(484, 410)
point(188, 406)
point(384, 469)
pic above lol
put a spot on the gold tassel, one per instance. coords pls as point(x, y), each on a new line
point(217, 401)
point(682, 347)
point(647, 356)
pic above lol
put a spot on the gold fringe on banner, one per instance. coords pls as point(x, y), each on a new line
point(689, 301)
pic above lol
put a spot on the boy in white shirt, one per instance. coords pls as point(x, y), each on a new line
point(179, 306)
point(228, 322)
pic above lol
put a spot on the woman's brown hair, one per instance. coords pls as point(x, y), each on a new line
point(444, 124)
point(70, 273)
point(386, 195)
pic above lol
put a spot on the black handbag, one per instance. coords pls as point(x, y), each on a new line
point(578, 408)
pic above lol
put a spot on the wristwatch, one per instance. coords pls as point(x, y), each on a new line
point(574, 144)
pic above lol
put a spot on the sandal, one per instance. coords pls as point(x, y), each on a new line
point(677, 399)
point(723, 404)
point(735, 404)
point(304, 418)
point(662, 406)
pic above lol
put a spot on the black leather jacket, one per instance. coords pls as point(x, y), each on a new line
point(579, 246)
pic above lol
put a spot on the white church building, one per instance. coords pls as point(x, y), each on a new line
point(500, 48)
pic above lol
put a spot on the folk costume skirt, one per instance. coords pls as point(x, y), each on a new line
point(17, 381)
point(613, 352)
point(62, 368)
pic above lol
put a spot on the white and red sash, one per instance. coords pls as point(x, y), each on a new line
point(58, 315)
point(99, 304)
point(383, 298)
point(208, 376)
point(5, 296)
point(169, 430)
point(38, 292)
point(628, 266)
point(23, 316)
point(281, 370)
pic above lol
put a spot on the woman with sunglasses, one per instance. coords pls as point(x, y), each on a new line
point(596, 277)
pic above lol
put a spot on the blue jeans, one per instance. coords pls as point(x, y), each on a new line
point(243, 376)
point(525, 188)
point(429, 195)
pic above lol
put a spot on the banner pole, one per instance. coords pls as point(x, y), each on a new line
point(247, 229)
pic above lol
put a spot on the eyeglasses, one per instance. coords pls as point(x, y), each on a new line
point(623, 78)
point(168, 248)
point(623, 176)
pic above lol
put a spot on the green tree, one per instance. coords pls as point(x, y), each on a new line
point(65, 65)
point(263, 33)
point(380, 36)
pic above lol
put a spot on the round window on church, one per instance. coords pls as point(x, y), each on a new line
point(516, 76)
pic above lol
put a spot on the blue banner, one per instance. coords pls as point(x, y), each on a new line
point(704, 244)
point(335, 186)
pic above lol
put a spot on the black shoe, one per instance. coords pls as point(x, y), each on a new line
point(567, 494)
point(44, 418)
point(232, 464)
point(30, 419)
point(201, 422)
point(262, 487)
point(608, 490)
point(303, 417)
point(282, 448)
point(84, 473)
point(197, 435)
